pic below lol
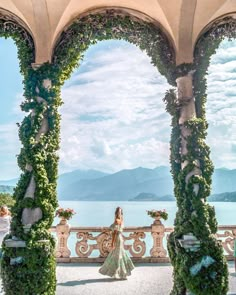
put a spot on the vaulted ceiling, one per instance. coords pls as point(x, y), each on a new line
point(182, 20)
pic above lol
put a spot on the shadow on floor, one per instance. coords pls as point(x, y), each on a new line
point(84, 282)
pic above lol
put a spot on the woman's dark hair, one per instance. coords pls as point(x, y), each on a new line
point(117, 210)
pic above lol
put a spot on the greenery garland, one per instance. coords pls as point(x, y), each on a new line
point(90, 29)
point(37, 267)
point(194, 214)
point(32, 269)
point(25, 44)
point(35, 270)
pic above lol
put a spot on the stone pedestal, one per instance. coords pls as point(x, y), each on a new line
point(63, 233)
point(158, 232)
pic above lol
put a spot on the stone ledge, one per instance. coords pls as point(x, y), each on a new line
point(102, 259)
point(15, 243)
point(134, 259)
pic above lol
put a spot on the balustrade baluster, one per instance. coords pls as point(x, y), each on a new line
point(137, 250)
point(158, 233)
point(63, 233)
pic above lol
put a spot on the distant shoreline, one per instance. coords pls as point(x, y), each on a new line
point(136, 201)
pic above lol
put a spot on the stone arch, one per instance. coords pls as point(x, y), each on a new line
point(106, 24)
point(14, 27)
point(206, 45)
point(219, 27)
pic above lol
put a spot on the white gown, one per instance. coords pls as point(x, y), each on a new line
point(5, 222)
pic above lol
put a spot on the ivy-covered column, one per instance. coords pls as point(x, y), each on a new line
point(28, 265)
point(197, 257)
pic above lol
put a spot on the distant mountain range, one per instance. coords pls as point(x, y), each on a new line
point(11, 182)
point(152, 198)
point(223, 197)
point(67, 182)
point(122, 185)
point(127, 184)
point(6, 189)
point(146, 197)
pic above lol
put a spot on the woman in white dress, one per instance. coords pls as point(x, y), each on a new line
point(5, 221)
point(118, 264)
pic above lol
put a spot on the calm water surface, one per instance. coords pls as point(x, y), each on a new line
point(102, 213)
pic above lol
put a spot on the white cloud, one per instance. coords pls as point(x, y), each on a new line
point(221, 105)
point(9, 148)
point(114, 113)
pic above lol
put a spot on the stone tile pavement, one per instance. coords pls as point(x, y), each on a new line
point(146, 279)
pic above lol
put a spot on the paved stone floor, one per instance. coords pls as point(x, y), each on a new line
point(150, 279)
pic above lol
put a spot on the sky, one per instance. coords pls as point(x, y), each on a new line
point(113, 116)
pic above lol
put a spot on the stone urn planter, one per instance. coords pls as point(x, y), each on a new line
point(63, 221)
point(158, 215)
point(157, 219)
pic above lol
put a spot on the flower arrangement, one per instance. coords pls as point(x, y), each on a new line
point(65, 213)
point(155, 213)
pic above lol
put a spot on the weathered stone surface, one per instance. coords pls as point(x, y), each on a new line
point(47, 83)
point(63, 233)
point(15, 243)
point(30, 216)
point(31, 188)
point(158, 233)
point(185, 97)
point(28, 167)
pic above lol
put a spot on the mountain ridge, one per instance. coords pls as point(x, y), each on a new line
point(128, 183)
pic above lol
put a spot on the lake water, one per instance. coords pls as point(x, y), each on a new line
point(102, 214)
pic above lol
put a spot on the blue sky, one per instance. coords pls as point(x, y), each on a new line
point(113, 115)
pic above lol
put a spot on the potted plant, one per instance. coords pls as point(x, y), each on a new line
point(64, 214)
point(158, 214)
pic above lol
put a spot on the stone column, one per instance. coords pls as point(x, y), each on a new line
point(187, 111)
point(30, 216)
point(195, 223)
point(35, 193)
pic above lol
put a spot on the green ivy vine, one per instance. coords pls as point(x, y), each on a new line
point(38, 264)
point(86, 31)
point(194, 214)
point(31, 269)
point(35, 270)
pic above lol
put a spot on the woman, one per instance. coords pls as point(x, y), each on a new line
point(117, 265)
point(5, 221)
point(235, 254)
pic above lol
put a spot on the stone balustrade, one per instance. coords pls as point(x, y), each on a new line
point(92, 244)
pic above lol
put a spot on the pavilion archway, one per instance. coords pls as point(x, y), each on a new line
point(205, 268)
point(22, 248)
point(30, 245)
point(28, 263)
point(190, 161)
point(113, 24)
